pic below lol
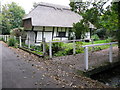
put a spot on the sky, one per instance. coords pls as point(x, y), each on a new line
point(27, 5)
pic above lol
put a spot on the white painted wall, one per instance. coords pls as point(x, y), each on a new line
point(37, 28)
point(48, 36)
point(87, 35)
point(39, 37)
point(60, 38)
point(31, 36)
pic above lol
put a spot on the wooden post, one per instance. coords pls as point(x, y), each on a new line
point(86, 57)
point(74, 47)
point(15, 37)
point(110, 53)
point(28, 42)
point(92, 40)
point(50, 50)
point(44, 48)
point(20, 41)
point(5, 38)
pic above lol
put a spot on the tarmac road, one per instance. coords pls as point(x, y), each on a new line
point(17, 73)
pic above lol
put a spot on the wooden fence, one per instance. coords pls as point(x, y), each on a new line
point(93, 45)
point(6, 37)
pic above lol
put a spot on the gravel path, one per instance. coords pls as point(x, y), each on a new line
point(59, 72)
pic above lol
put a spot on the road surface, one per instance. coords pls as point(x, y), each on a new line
point(17, 73)
point(23, 70)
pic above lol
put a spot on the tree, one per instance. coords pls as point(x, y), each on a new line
point(80, 29)
point(12, 15)
point(90, 10)
point(111, 21)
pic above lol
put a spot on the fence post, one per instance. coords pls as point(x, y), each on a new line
point(28, 42)
point(86, 57)
point(20, 41)
point(44, 48)
point(15, 37)
point(50, 49)
point(110, 53)
point(74, 47)
point(5, 38)
point(92, 40)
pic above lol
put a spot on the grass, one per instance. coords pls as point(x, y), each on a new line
point(69, 46)
point(96, 42)
point(40, 53)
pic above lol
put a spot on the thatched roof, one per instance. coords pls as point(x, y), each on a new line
point(53, 15)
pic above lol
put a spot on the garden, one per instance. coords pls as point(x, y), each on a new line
point(58, 48)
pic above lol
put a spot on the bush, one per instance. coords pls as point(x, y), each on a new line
point(19, 32)
point(57, 46)
point(101, 33)
point(60, 53)
point(12, 42)
point(2, 39)
point(69, 51)
point(95, 37)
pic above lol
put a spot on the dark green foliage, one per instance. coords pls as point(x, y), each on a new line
point(80, 29)
point(79, 49)
point(101, 33)
point(12, 42)
point(12, 15)
point(57, 46)
point(95, 37)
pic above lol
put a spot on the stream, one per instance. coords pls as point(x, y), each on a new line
point(110, 77)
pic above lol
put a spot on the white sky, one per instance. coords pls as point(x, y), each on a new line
point(28, 4)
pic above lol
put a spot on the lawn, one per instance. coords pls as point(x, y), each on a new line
point(68, 47)
point(86, 43)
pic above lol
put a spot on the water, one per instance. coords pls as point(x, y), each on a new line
point(110, 77)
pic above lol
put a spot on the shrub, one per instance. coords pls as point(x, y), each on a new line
point(2, 39)
point(79, 49)
point(101, 33)
point(69, 51)
point(60, 53)
point(19, 32)
point(57, 46)
point(95, 37)
point(12, 42)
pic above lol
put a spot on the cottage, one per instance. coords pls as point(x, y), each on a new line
point(50, 21)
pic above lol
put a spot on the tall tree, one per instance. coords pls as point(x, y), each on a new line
point(12, 15)
point(91, 10)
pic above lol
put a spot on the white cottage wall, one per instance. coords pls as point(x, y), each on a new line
point(31, 36)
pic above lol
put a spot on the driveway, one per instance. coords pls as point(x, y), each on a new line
point(16, 73)
point(23, 70)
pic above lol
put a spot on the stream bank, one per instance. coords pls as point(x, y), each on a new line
point(109, 77)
